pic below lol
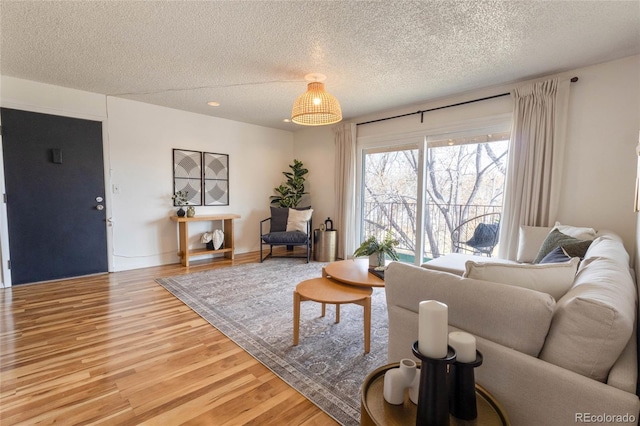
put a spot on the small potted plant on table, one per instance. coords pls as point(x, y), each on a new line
point(180, 199)
point(378, 250)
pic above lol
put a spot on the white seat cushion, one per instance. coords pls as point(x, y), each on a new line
point(454, 263)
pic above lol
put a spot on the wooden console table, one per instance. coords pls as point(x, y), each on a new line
point(183, 227)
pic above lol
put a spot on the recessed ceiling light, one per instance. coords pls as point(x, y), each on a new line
point(213, 103)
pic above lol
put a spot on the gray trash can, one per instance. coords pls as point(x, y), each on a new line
point(325, 245)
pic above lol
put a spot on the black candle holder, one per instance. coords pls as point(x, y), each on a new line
point(433, 398)
point(462, 389)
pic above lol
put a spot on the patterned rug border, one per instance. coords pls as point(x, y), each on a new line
point(316, 390)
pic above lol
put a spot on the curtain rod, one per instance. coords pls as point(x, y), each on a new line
point(421, 112)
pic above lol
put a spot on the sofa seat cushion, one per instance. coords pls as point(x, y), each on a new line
point(552, 278)
point(282, 238)
point(454, 263)
point(594, 320)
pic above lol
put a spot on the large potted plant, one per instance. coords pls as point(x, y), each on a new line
point(290, 192)
point(378, 250)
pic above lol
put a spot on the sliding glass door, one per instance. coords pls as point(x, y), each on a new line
point(464, 186)
point(423, 192)
point(389, 197)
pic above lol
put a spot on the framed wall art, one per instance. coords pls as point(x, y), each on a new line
point(215, 179)
point(187, 175)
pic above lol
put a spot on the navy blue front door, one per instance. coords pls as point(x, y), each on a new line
point(54, 177)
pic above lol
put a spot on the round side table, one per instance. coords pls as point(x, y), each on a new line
point(324, 290)
point(375, 411)
point(325, 245)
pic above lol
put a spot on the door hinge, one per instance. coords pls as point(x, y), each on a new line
point(0, 130)
point(8, 264)
point(4, 197)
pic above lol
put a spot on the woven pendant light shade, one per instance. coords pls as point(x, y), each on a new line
point(316, 107)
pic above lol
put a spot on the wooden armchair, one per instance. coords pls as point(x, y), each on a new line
point(286, 229)
point(478, 235)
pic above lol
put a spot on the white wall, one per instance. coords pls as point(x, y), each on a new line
point(600, 161)
point(142, 137)
point(600, 158)
point(139, 139)
point(315, 148)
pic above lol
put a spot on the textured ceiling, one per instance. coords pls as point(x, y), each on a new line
point(251, 56)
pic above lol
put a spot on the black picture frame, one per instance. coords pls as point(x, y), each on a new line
point(215, 174)
point(187, 175)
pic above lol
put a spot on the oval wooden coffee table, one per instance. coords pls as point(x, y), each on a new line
point(325, 290)
point(353, 272)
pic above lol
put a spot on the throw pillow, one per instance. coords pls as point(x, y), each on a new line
point(557, 255)
point(578, 249)
point(578, 232)
point(552, 278)
point(485, 235)
point(279, 217)
point(553, 240)
point(298, 219)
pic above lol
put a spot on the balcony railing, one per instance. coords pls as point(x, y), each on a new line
point(400, 218)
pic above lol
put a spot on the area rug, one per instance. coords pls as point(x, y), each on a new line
point(253, 305)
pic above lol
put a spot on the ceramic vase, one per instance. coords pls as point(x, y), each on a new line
point(217, 238)
point(397, 380)
point(180, 212)
point(191, 212)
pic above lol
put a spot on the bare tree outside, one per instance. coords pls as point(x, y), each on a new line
point(390, 188)
point(463, 181)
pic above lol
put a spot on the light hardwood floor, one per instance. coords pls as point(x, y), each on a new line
point(119, 349)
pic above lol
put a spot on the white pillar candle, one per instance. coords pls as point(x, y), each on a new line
point(433, 326)
point(464, 344)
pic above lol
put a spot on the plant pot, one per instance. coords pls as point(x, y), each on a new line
point(376, 260)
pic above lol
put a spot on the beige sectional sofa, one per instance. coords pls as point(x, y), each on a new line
point(548, 362)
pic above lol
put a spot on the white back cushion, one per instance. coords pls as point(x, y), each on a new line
point(551, 278)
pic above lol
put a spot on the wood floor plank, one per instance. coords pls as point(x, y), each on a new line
point(120, 349)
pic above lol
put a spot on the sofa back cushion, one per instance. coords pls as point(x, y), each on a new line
point(515, 317)
point(529, 242)
point(594, 320)
point(551, 278)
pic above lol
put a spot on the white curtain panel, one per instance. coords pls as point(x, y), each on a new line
point(536, 156)
point(345, 186)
